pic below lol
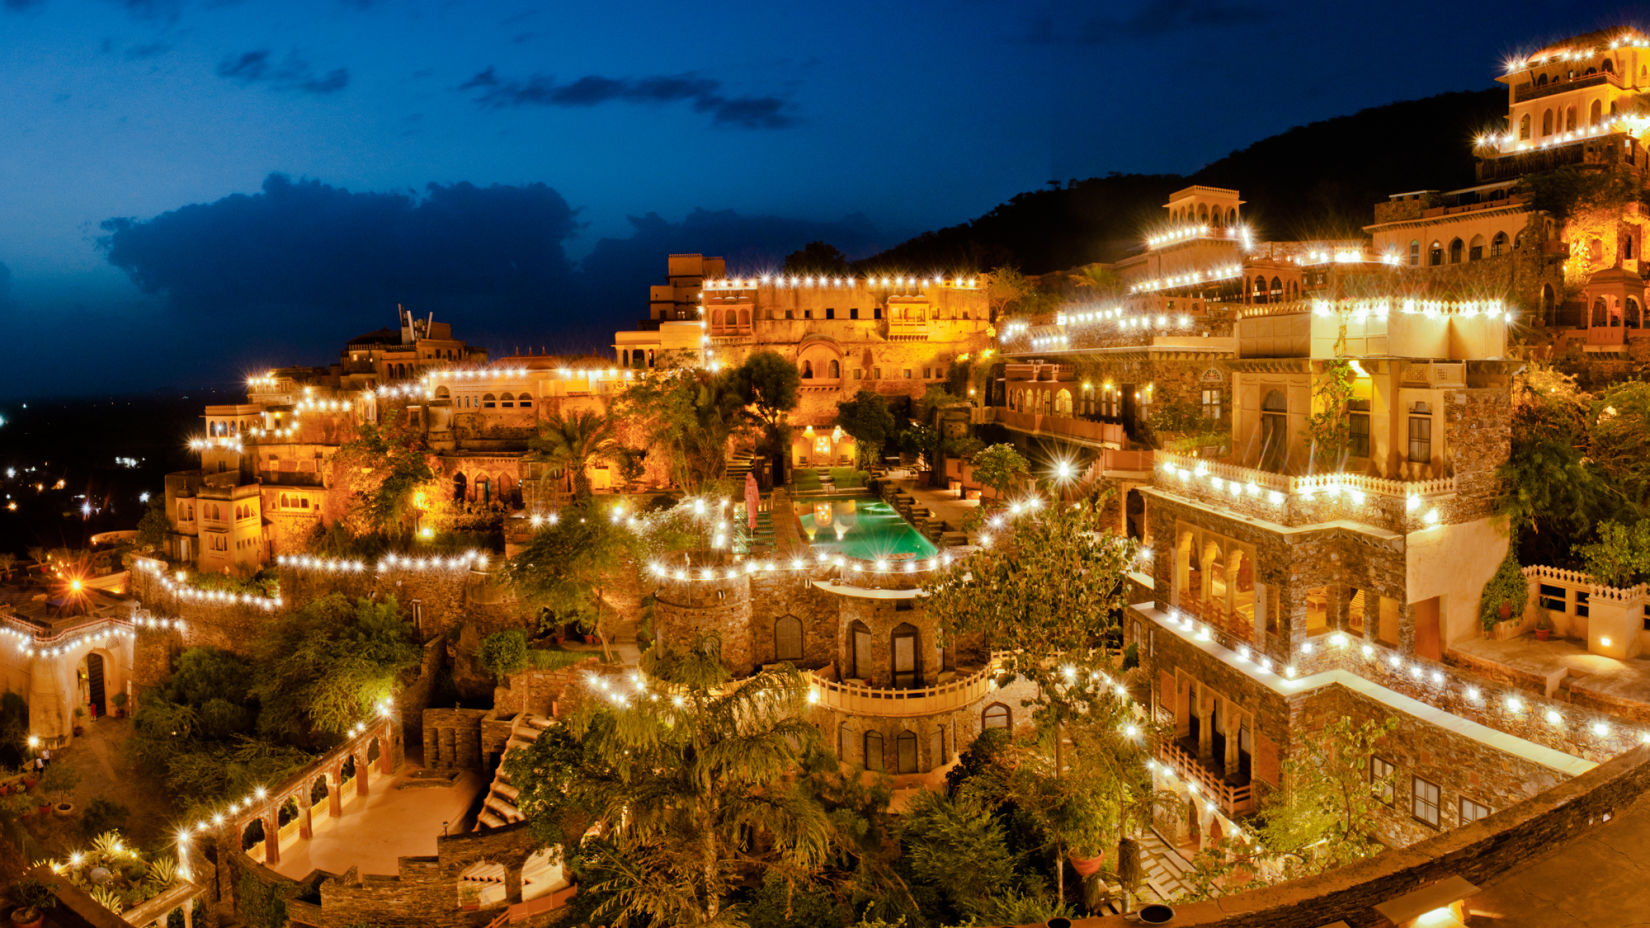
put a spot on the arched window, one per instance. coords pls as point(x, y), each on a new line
point(1475, 249)
point(996, 715)
point(1596, 113)
point(744, 318)
point(807, 370)
point(859, 650)
point(1627, 248)
point(1277, 290)
point(442, 393)
point(507, 400)
point(873, 751)
point(1498, 245)
point(836, 369)
point(525, 400)
point(787, 639)
point(907, 669)
point(1203, 212)
point(1260, 290)
point(1455, 247)
point(1414, 252)
point(1231, 216)
point(905, 752)
point(1435, 254)
point(1570, 118)
point(1062, 403)
point(1601, 312)
point(1631, 317)
point(1541, 81)
point(1547, 123)
point(488, 401)
point(1524, 126)
point(1609, 65)
point(1274, 431)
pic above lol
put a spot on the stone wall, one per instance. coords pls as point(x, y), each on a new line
point(940, 737)
point(542, 692)
point(1481, 853)
point(424, 890)
point(452, 738)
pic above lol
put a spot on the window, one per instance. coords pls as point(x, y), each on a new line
point(853, 312)
point(1498, 245)
point(876, 373)
point(1524, 126)
point(1381, 778)
point(836, 370)
point(873, 750)
point(908, 373)
point(876, 312)
point(525, 400)
point(488, 401)
point(807, 314)
point(830, 312)
point(1627, 248)
point(1359, 423)
point(1415, 252)
point(1455, 247)
point(1211, 403)
point(1423, 801)
point(996, 715)
point(1475, 249)
point(905, 752)
point(1435, 254)
point(1420, 434)
point(1472, 811)
point(1274, 429)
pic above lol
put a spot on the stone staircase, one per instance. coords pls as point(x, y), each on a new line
point(499, 808)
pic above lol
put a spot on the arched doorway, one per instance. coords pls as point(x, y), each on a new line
point(1274, 431)
point(787, 639)
point(1134, 515)
point(461, 487)
point(93, 678)
point(903, 656)
point(859, 651)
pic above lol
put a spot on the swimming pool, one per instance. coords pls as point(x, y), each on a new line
point(864, 528)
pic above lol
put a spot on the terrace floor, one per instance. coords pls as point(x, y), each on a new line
point(396, 822)
point(1595, 879)
point(1607, 678)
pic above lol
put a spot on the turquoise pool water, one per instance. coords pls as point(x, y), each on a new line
point(863, 528)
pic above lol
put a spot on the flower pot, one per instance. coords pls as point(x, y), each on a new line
point(64, 809)
point(27, 916)
point(1541, 634)
point(1155, 914)
point(1504, 611)
point(45, 810)
point(1086, 866)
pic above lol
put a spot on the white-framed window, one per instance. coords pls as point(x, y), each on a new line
point(1472, 811)
point(1423, 801)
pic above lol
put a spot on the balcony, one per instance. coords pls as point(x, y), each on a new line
point(888, 702)
point(1395, 505)
point(1233, 793)
point(1082, 430)
point(1533, 92)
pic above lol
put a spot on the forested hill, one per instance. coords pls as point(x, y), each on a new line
point(1313, 181)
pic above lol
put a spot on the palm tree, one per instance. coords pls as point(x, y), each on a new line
point(573, 441)
point(686, 777)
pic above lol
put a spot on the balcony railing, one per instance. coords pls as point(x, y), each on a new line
point(1534, 92)
point(1234, 799)
point(1400, 505)
point(1111, 433)
point(889, 702)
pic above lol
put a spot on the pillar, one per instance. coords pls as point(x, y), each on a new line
point(1205, 735)
point(1233, 725)
point(306, 827)
point(1262, 601)
point(335, 786)
point(272, 839)
point(385, 747)
point(361, 773)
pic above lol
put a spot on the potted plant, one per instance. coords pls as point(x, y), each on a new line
point(1504, 596)
point(119, 699)
point(79, 713)
point(1086, 855)
point(57, 781)
point(30, 899)
point(1543, 627)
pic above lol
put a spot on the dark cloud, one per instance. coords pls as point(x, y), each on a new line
point(18, 5)
point(305, 256)
point(291, 73)
point(1150, 19)
point(703, 94)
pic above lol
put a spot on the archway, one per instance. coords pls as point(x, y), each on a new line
point(1134, 515)
point(93, 680)
point(461, 487)
point(859, 651)
point(1274, 431)
point(787, 639)
point(907, 671)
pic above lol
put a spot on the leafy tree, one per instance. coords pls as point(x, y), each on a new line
point(944, 837)
point(998, 466)
point(1005, 287)
point(1618, 434)
point(866, 417)
point(1620, 557)
point(1328, 813)
point(328, 665)
point(573, 441)
point(769, 384)
point(385, 463)
point(1329, 428)
point(151, 529)
point(569, 565)
point(686, 777)
point(504, 653)
point(1554, 495)
point(817, 258)
point(690, 416)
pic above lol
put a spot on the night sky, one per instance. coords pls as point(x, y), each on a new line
point(193, 190)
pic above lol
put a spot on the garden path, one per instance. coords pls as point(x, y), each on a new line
point(98, 756)
point(394, 823)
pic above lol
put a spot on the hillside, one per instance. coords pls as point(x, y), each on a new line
point(1317, 180)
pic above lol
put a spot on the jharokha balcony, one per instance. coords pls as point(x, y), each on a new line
point(1230, 789)
point(1396, 505)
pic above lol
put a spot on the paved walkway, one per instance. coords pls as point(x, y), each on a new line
point(98, 756)
point(1165, 869)
point(1596, 879)
point(394, 823)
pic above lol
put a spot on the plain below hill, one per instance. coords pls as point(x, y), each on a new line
point(1316, 181)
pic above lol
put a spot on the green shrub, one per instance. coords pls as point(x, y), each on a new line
point(103, 814)
point(504, 653)
point(1506, 586)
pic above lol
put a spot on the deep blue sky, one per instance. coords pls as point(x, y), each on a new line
point(745, 127)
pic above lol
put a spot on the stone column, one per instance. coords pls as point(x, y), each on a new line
point(1205, 734)
point(385, 760)
point(361, 773)
point(1233, 726)
point(335, 787)
point(1261, 602)
point(306, 826)
point(272, 839)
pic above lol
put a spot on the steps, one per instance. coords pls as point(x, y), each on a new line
point(499, 808)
